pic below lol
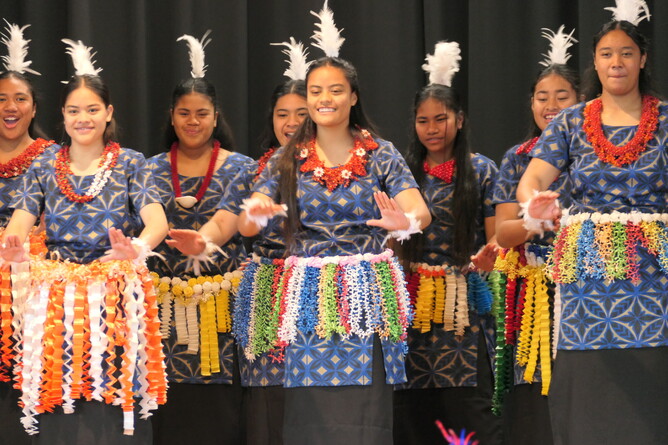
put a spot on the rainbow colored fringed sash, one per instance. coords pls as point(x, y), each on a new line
point(357, 295)
point(200, 309)
point(520, 284)
point(78, 322)
point(443, 294)
point(605, 246)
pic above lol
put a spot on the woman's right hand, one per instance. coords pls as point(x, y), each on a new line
point(188, 242)
point(544, 205)
point(263, 209)
point(12, 250)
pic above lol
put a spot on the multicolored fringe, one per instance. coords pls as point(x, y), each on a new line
point(78, 323)
point(200, 308)
point(526, 322)
point(443, 294)
point(10, 316)
point(357, 295)
point(605, 246)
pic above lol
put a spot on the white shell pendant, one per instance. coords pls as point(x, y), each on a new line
point(187, 202)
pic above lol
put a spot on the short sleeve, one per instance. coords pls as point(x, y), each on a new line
point(30, 197)
point(553, 145)
point(487, 172)
point(505, 189)
point(238, 189)
point(141, 188)
point(391, 168)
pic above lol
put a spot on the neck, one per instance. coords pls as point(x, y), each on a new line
point(627, 102)
point(16, 145)
point(84, 155)
point(194, 154)
point(334, 139)
point(439, 157)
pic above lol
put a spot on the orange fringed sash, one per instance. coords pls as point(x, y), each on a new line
point(126, 322)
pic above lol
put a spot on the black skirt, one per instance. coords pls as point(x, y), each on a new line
point(526, 416)
point(263, 408)
point(341, 415)
point(11, 429)
point(92, 423)
point(611, 396)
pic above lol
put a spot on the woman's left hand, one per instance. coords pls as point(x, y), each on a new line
point(189, 242)
point(392, 217)
point(485, 258)
point(121, 247)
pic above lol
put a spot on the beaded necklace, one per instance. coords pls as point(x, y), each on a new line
point(188, 202)
point(106, 165)
point(526, 147)
point(332, 177)
point(444, 171)
point(19, 164)
point(606, 150)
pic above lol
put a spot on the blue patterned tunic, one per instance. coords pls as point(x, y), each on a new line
point(183, 367)
point(512, 168)
point(437, 359)
point(268, 245)
point(620, 314)
point(76, 231)
point(8, 189)
point(334, 223)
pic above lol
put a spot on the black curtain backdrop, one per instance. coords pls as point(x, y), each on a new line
point(386, 40)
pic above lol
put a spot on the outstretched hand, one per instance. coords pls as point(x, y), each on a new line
point(189, 242)
point(485, 258)
point(121, 247)
point(545, 206)
point(12, 249)
point(391, 216)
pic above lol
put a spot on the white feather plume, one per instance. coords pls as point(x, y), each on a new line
point(17, 50)
point(328, 37)
point(634, 11)
point(444, 63)
point(559, 44)
point(82, 58)
point(196, 53)
point(297, 64)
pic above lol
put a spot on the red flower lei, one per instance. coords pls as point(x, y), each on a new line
point(209, 171)
point(444, 171)
point(262, 162)
point(19, 164)
point(606, 151)
point(332, 177)
point(63, 169)
point(526, 147)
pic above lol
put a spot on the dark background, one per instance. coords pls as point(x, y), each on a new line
point(386, 40)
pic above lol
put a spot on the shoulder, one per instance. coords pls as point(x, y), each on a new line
point(239, 160)
point(481, 161)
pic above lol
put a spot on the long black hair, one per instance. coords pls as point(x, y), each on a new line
point(268, 138)
point(466, 196)
point(221, 132)
point(33, 129)
point(593, 87)
point(564, 71)
point(287, 163)
point(97, 86)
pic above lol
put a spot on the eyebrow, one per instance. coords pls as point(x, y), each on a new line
point(196, 111)
point(285, 109)
point(563, 90)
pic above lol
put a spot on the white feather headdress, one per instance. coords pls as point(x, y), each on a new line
point(559, 44)
point(297, 64)
point(634, 11)
point(443, 64)
point(328, 38)
point(82, 58)
point(17, 50)
point(196, 53)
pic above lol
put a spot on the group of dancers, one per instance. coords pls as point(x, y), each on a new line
point(385, 298)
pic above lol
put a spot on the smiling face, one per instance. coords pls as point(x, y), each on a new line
point(194, 118)
point(436, 127)
point(552, 94)
point(86, 117)
point(17, 109)
point(618, 61)
point(289, 112)
point(330, 97)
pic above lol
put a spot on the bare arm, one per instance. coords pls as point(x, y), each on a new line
point(393, 210)
point(510, 230)
point(155, 224)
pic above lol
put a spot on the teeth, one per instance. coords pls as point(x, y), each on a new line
point(325, 110)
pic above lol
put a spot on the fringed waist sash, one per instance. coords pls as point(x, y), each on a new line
point(356, 295)
point(78, 323)
point(200, 309)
